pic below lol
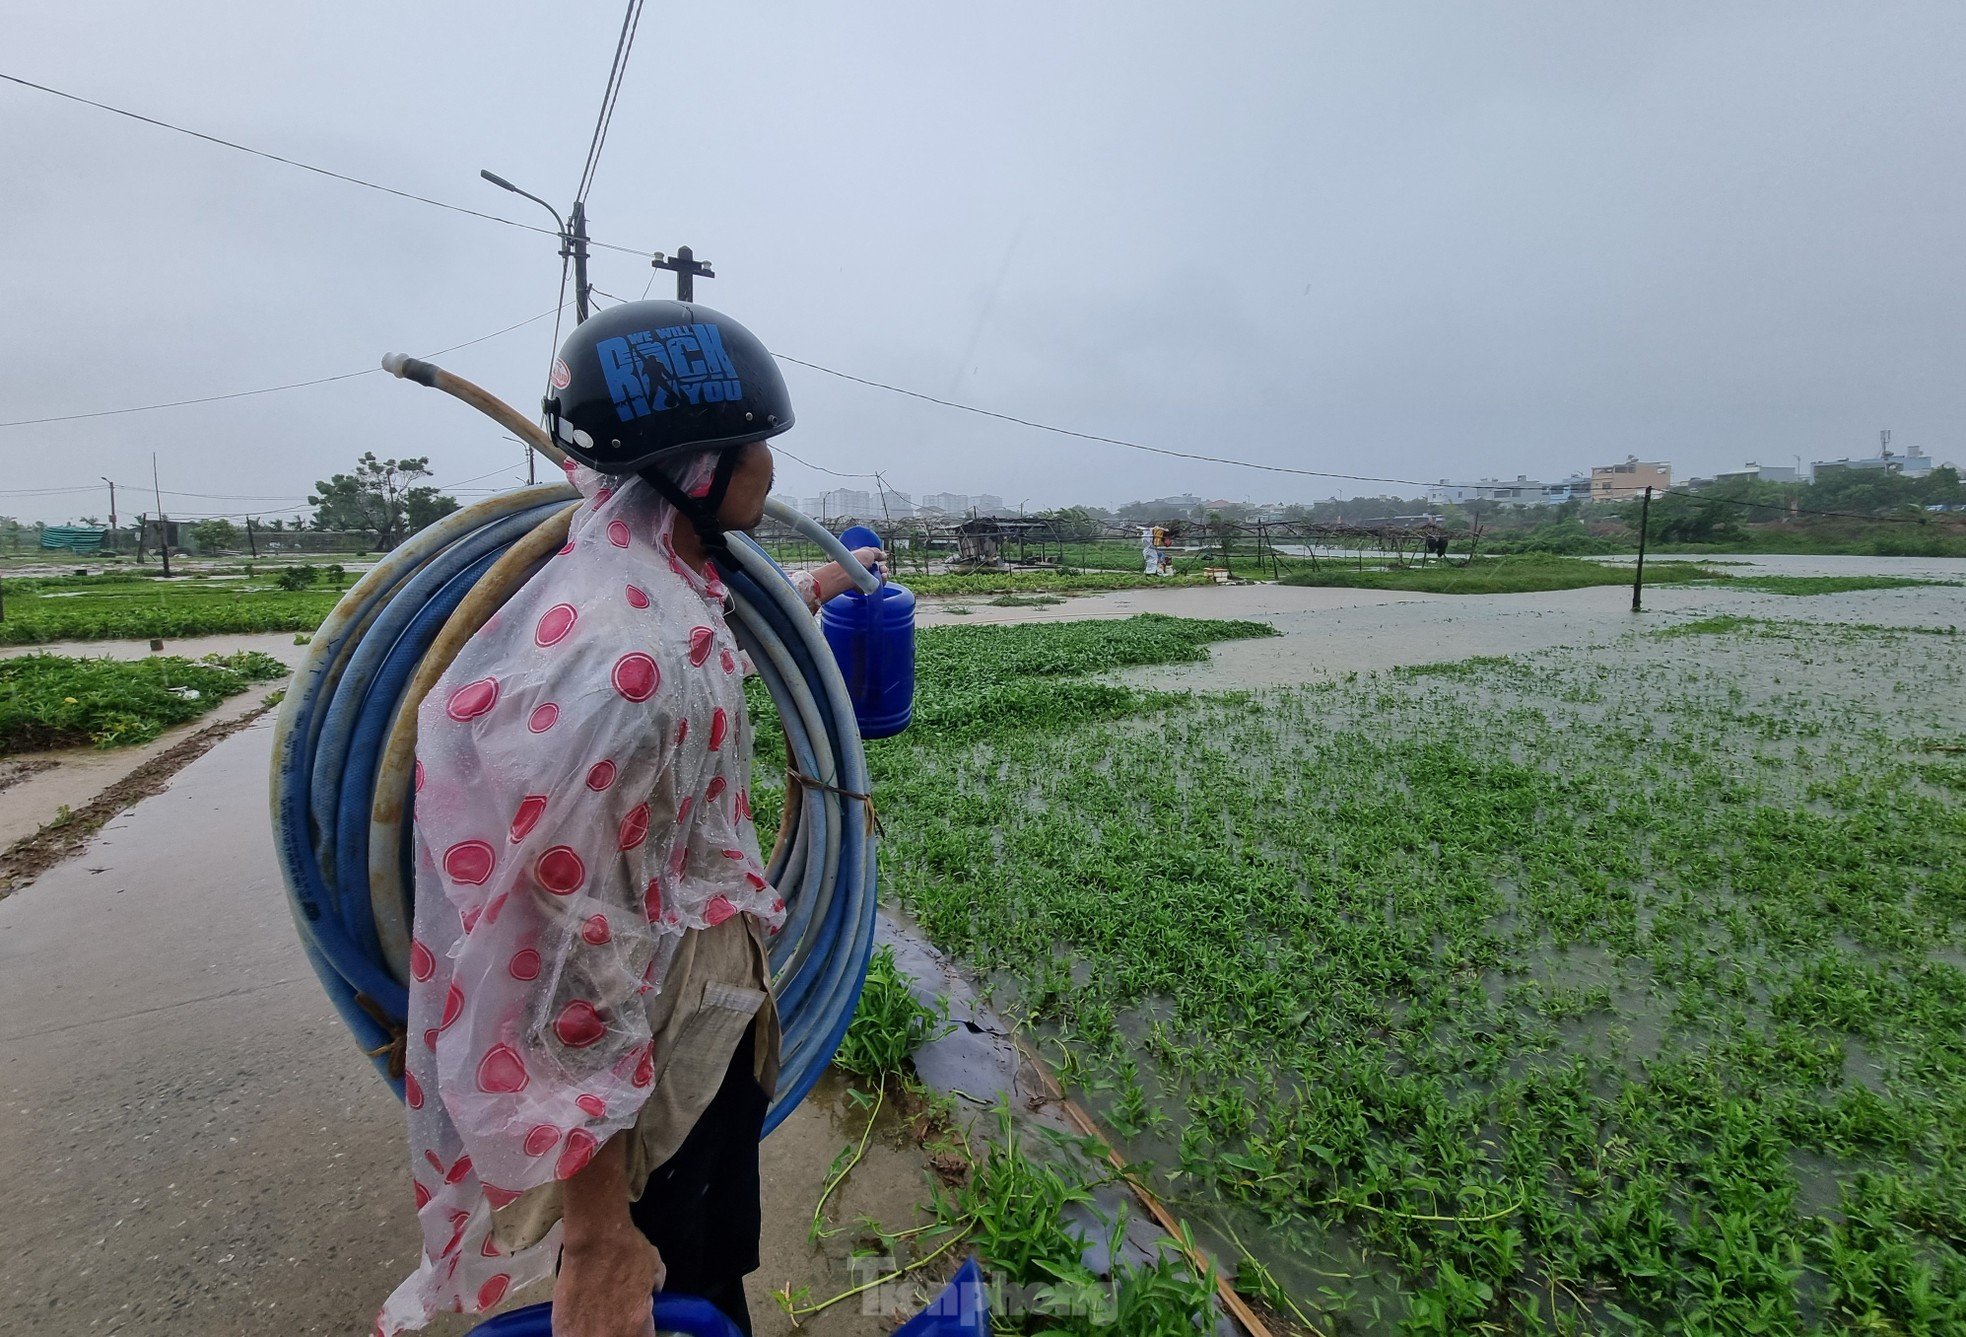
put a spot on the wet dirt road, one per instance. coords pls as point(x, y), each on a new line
point(192, 1142)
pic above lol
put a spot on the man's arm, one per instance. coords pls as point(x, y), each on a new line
point(608, 1269)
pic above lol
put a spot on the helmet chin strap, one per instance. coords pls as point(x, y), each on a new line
point(702, 512)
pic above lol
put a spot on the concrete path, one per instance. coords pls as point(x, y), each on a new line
point(192, 1142)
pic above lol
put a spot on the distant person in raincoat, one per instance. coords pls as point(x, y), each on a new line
point(593, 1040)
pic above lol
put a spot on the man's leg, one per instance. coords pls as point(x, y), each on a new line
point(701, 1207)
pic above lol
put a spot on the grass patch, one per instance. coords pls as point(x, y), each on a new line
point(129, 607)
point(1794, 629)
point(889, 1024)
point(1025, 601)
point(1499, 575)
point(1827, 584)
point(1041, 582)
point(1719, 625)
point(49, 701)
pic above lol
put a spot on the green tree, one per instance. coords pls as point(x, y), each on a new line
point(377, 497)
point(425, 505)
point(1678, 518)
point(1073, 524)
point(213, 535)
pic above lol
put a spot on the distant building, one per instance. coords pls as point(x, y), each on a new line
point(1622, 482)
point(1758, 473)
point(949, 503)
point(1187, 501)
point(1913, 463)
point(1577, 487)
point(842, 501)
point(1522, 492)
point(986, 504)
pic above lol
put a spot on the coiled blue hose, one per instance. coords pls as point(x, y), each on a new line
point(341, 808)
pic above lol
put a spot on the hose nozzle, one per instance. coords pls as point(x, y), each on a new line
point(409, 368)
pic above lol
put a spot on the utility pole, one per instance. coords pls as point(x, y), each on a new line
point(574, 245)
point(163, 522)
point(112, 500)
point(251, 544)
point(1638, 575)
point(688, 268)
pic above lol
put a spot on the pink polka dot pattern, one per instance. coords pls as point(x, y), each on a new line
point(634, 828)
point(601, 776)
point(580, 1149)
point(555, 624)
point(561, 870)
point(544, 718)
point(702, 641)
point(470, 861)
point(472, 700)
point(531, 808)
point(502, 1070)
point(579, 1024)
point(636, 676)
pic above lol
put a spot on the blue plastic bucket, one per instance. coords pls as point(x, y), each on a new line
point(961, 1310)
point(682, 1315)
point(873, 639)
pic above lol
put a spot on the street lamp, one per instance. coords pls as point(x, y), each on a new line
point(573, 239)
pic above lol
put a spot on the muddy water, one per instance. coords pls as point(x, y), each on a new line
point(1325, 638)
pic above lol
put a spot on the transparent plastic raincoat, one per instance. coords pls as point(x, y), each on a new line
point(582, 799)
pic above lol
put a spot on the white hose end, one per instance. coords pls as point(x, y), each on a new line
point(395, 363)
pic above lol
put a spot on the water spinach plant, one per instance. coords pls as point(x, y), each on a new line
point(1620, 990)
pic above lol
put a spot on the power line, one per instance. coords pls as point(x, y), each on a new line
point(1092, 436)
point(303, 166)
point(779, 449)
point(630, 21)
point(226, 496)
point(266, 389)
point(181, 403)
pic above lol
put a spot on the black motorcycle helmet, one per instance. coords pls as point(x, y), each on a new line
point(645, 382)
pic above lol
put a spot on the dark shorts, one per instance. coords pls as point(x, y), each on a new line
point(701, 1206)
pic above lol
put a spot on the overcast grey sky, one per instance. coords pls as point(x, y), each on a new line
point(1413, 240)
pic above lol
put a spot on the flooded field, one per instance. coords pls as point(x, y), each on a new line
point(1586, 973)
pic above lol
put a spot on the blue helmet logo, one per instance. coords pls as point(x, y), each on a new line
point(652, 371)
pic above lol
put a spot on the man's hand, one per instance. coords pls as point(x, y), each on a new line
point(832, 578)
point(604, 1285)
point(608, 1269)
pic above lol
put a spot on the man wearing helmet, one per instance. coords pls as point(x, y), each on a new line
point(593, 1039)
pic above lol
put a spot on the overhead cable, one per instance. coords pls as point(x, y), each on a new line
point(304, 166)
point(267, 389)
point(610, 93)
